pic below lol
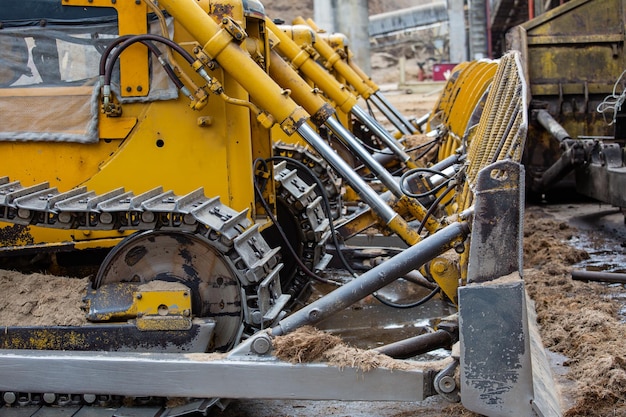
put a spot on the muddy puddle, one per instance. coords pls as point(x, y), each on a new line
point(369, 324)
point(600, 230)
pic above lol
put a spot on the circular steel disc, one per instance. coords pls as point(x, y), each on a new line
point(186, 258)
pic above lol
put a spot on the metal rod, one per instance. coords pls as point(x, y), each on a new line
point(407, 348)
point(546, 120)
point(381, 133)
point(390, 115)
point(421, 121)
point(385, 103)
point(366, 193)
point(375, 279)
point(381, 173)
point(599, 276)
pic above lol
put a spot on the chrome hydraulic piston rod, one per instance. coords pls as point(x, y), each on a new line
point(356, 77)
point(381, 173)
point(392, 219)
point(380, 133)
point(376, 278)
point(322, 113)
point(382, 104)
point(301, 60)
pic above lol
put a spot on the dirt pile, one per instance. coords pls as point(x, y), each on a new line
point(41, 300)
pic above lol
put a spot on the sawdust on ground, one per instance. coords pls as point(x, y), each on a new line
point(577, 319)
point(41, 300)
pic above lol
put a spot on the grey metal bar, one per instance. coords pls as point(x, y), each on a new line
point(599, 276)
point(384, 103)
point(368, 195)
point(380, 132)
point(546, 120)
point(394, 118)
point(374, 279)
point(200, 376)
point(412, 346)
point(381, 173)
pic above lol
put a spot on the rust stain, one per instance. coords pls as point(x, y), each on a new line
point(221, 10)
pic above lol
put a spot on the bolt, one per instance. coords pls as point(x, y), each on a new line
point(261, 345)
point(139, 296)
point(447, 384)
point(129, 89)
point(139, 88)
point(90, 398)
point(49, 397)
point(439, 267)
point(9, 397)
point(257, 317)
point(314, 314)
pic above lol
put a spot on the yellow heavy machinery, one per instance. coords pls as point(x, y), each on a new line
point(144, 129)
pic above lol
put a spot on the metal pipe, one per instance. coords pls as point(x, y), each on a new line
point(376, 278)
point(421, 121)
point(390, 115)
point(548, 122)
point(378, 96)
point(381, 133)
point(556, 172)
point(354, 146)
point(366, 193)
point(599, 276)
point(407, 348)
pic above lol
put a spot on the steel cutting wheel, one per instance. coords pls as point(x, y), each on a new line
point(186, 258)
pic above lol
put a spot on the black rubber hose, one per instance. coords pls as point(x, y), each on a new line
point(140, 38)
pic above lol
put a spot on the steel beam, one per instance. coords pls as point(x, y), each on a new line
point(201, 376)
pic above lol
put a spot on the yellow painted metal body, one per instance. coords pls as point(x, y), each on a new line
point(158, 143)
point(334, 60)
point(460, 98)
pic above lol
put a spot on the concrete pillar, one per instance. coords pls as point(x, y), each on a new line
point(352, 20)
point(457, 30)
point(478, 29)
point(324, 14)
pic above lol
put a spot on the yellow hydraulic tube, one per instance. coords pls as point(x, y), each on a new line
point(218, 44)
point(302, 61)
point(335, 61)
point(337, 39)
point(301, 92)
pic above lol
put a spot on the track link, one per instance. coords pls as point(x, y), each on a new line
point(228, 231)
